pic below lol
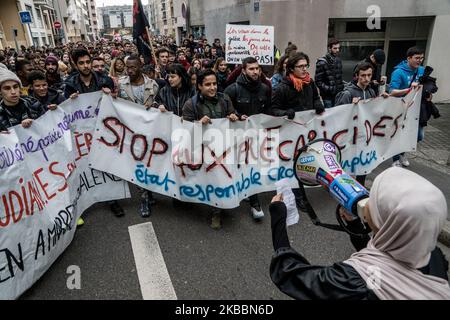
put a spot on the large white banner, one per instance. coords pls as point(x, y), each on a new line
point(45, 186)
point(244, 41)
point(48, 176)
point(222, 163)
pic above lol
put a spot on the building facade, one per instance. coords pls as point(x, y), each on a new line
point(38, 33)
point(75, 20)
point(116, 20)
point(361, 25)
point(93, 23)
point(168, 17)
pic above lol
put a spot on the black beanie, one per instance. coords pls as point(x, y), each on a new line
point(380, 56)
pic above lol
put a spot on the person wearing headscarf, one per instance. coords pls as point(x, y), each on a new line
point(401, 262)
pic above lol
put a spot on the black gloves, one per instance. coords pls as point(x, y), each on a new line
point(290, 113)
point(320, 110)
point(278, 214)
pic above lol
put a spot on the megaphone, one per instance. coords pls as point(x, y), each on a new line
point(318, 163)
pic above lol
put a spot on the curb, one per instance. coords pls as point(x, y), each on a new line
point(444, 237)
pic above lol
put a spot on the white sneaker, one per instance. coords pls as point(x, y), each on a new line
point(404, 161)
point(397, 164)
point(257, 214)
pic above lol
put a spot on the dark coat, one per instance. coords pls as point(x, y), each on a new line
point(329, 76)
point(73, 84)
point(193, 111)
point(287, 99)
point(234, 75)
point(55, 81)
point(174, 99)
point(10, 119)
point(221, 81)
point(353, 91)
point(427, 109)
point(248, 97)
point(53, 97)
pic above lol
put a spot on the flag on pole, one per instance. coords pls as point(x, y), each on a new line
point(140, 35)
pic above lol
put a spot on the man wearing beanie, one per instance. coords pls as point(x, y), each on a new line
point(376, 59)
point(14, 110)
point(54, 80)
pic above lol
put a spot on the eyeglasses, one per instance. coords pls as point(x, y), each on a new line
point(303, 66)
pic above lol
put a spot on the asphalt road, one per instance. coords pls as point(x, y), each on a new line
point(232, 263)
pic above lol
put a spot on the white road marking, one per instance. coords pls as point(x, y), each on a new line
point(152, 272)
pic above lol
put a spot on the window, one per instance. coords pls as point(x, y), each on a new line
point(241, 22)
point(39, 19)
point(30, 9)
point(46, 21)
point(361, 26)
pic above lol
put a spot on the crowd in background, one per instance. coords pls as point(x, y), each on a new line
point(194, 81)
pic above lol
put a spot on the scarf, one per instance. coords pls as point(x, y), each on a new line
point(299, 83)
point(409, 212)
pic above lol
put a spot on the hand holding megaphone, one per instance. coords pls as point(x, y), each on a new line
point(318, 163)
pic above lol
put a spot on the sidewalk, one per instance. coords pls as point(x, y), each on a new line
point(434, 152)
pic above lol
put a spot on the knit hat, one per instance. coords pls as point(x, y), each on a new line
point(6, 75)
point(51, 59)
point(380, 56)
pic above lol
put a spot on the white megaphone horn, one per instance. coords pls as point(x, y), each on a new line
point(318, 163)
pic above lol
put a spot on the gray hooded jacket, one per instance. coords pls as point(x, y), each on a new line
point(351, 91)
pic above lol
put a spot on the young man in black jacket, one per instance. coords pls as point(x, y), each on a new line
point(250, 97)
point(329, 74)
point(85, 81)
point(44, 97)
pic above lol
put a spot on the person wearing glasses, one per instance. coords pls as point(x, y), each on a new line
point(297, 92)
point(405, 78)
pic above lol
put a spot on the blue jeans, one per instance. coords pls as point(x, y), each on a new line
point(421, 135)
point(328, 104)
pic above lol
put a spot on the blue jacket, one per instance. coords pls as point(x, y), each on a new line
point(402, 77)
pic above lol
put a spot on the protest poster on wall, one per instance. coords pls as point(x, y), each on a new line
point(223, 163)
point(243, 41)
point(45, 186)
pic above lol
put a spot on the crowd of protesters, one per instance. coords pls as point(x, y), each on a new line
point(193, 81)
